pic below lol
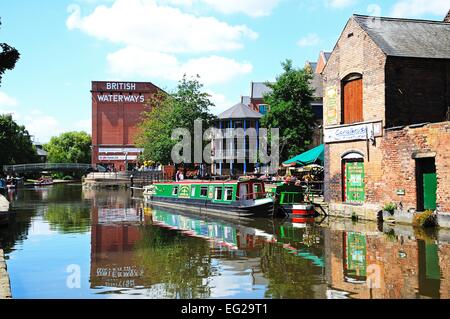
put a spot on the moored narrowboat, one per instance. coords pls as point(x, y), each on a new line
point(220, 198)
point(289, 200)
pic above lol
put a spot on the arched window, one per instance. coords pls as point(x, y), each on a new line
point(352, 100)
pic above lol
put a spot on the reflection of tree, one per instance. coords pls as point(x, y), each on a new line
point(182, 263)
point(16, 231)
point(68, 218)
point(289, 276)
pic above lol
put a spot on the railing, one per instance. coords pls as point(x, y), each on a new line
point(22, 168)
point(312, 190)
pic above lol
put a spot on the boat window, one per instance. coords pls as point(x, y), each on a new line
point(193, 191)
point(204, 191)
point(257, 189)
point(228, 193)
point(218, 193)
point(175, 190)
point(243, 191)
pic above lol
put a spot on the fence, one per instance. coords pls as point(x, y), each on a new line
point(32, 168)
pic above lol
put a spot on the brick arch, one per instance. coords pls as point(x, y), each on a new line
point(353, 151)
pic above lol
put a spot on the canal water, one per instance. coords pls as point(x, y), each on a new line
point(66, 242)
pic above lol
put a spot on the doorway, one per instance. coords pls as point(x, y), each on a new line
point(426, 183)
point(353, 190)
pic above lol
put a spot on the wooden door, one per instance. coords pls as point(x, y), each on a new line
point(353, 102)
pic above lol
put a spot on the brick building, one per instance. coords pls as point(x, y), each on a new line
point(386, 117)
point(116, 113)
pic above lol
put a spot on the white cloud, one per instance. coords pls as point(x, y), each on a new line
point(83, 125)
point(310, 40)
point(253, 8)
point(146, 24)
point(340, 3)
point(135, 61)
point(417, 8)
point(220, 101)
point(41, 125)
point(6, 100)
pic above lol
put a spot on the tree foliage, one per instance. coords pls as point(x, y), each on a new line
point(16, 146)
point(170, 111)
point(8, 58)
point(290, 110)
point(70, 147)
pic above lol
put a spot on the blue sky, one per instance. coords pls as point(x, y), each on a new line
point(66, 44)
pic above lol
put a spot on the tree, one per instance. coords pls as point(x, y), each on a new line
point(8, 58)
point(290, 110)
point(70, 147)
point(16, 146)
point(168, 112)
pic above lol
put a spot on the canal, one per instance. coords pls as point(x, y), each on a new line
point(66, 242)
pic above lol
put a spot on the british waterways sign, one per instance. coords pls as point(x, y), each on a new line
point(353, 133)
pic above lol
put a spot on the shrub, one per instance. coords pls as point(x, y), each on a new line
point(425, 219)
point(68, 178)
point(390, 207)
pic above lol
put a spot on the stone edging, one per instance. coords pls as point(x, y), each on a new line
point(5, 286)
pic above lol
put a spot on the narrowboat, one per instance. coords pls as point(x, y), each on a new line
point(44, 181)
point(220, 198)
point(290, 200)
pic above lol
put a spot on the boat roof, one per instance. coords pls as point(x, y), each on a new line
point(208, 182)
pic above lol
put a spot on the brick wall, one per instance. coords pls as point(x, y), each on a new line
point(356, 54)
point(417, 91)
point(399, 168)
point(389, 164)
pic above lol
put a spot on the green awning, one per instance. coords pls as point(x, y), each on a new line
point(313, 156)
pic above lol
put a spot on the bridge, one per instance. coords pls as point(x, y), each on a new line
point(50, 167)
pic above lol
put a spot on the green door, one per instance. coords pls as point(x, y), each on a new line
point(354, 180)
point(429, 190)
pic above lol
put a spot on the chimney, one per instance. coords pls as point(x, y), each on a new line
point(447, 18)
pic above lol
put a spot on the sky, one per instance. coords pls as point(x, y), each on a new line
point(66, 44)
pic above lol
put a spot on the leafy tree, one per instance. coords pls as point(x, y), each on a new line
point(70, 147)
point(290, 110)
point(168, 112)
point(8, 58)
point(16, 146)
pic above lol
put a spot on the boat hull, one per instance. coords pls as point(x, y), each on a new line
point(299, 210)
point(261, 208)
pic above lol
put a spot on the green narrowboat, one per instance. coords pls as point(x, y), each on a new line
point(289, 199)
point(220, 198)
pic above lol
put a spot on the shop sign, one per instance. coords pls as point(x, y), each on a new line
point(120, 150)
point(353, 133)
point(117, 158)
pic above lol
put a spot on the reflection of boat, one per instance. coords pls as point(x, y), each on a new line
point(230, 198)
point(222, 233)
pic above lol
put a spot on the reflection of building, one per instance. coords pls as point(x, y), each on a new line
point(116, 112)
point(386, 116)
point(380, 266)
point(112, 248)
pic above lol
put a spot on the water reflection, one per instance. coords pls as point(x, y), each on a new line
point(127, 249)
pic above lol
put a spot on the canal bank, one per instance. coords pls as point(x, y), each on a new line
point(5, 286)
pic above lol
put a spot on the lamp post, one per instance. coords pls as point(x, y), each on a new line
point(126, 161)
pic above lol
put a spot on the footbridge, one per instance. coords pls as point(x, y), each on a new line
point(50, 167)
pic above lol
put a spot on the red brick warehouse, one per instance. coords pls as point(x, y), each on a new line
point(116, 113)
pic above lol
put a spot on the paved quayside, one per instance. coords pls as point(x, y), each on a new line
point(5, 286)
